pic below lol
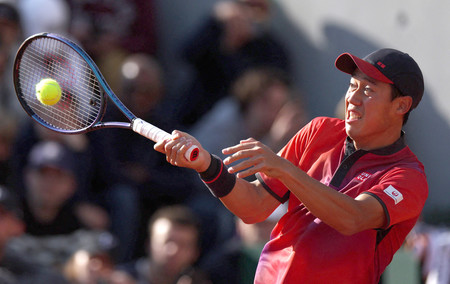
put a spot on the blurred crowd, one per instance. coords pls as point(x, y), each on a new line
point(104, 207)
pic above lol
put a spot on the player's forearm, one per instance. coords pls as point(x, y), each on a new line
point(338, 210)
point(335, 209)
point(245, 199)
point(249, 201)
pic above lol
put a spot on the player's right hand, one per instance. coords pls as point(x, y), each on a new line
point(175, 148)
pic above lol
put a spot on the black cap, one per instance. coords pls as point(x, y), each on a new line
point(390, 66)
point(52, 154)
point(9, 202)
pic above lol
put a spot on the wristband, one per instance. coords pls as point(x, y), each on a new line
point(217, 178)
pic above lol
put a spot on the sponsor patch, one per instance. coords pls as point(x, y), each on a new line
point(393, 193)
point(363, 176)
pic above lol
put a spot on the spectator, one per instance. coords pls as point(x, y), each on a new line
point(94, 264)
point(235, 260)
point(142, 33)
point(143, 92)
point(231, 41)
point(16, 267)
point(51, 182)
point(98, 178)
point(36, 19)
point(10, 40)
point(430, 244)
point(173, 249)
point(8, 131)
point(101, 26)
point(32, 133)
point(95, 22)
point(53, 216)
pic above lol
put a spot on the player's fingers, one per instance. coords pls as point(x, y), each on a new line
point(186, 145)
point(248, 140)
point(244, 151)
point(247, 167)
point(177, 134)
point(173, 150)
point(189, 139)
point(180, 155)
point(247, 172)
point(160, 145)
point(243, 144)
point(168, 145)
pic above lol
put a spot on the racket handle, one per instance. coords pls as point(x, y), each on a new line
point(156, 134)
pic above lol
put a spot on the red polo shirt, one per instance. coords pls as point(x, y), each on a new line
point(302, 248)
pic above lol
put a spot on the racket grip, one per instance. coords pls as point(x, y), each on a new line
point(156, 134)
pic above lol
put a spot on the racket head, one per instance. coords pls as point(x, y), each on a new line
point(82, 102)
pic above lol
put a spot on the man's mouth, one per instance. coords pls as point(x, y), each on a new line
point(351, 115)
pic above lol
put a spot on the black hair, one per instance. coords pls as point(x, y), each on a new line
point(177, 214)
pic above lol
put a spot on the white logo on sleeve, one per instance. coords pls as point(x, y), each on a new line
point(393, 193)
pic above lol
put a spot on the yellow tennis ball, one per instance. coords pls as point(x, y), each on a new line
point(48, 91)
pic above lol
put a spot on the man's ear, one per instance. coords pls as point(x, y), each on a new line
point(404, 104)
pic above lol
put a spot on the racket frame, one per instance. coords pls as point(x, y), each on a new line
point(105, 89)
point(138, 125)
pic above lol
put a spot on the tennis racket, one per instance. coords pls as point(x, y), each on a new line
point(84, 90)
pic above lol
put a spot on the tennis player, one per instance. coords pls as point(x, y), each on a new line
point(355, 189)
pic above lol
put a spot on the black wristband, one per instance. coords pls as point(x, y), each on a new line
point(217, 178)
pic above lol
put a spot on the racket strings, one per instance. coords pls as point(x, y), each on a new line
point(82, 100)
point(65, 62)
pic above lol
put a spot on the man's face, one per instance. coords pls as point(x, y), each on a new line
point(262, 113)
point(50, 186)
point(173, 247)
point(370, 113)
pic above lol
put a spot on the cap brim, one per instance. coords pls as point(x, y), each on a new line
point(348, 63)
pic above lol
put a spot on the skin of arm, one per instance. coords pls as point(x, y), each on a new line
point(343, 213)
point(252, 203)
point(248, 200)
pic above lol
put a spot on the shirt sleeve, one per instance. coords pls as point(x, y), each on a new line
point(402, 193)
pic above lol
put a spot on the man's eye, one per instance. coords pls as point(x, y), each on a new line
point(367, 90)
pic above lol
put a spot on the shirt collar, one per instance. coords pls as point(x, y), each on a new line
point(384, 151)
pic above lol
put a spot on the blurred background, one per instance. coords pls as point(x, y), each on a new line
point(198, 66)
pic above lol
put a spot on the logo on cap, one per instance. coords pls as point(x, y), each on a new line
point(379, 63)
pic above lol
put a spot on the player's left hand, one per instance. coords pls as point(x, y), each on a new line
point(253, 157)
